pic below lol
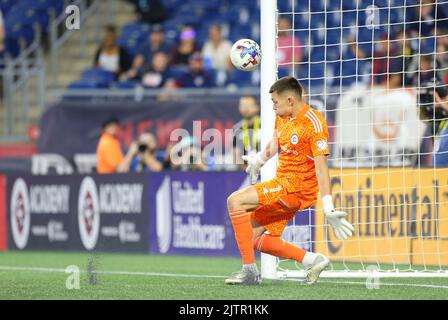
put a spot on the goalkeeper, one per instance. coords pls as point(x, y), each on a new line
point(260, 213)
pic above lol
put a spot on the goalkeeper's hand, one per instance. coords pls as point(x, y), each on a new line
point(342, 228)
point(254, 164)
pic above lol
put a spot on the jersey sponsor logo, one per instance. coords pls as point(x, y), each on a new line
point(20, 213)
point(321, 145)
point(276, 189)
point(317, 124)
point(288, 151)
point(88, 213)
point(295, 139)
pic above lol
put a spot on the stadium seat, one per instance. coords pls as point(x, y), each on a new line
point(334, 36)
point(172, 4)
point(178, 71)
point(15, 33)
point(86, 84)
point(131, 46)
point(239, 78)
point(6, 5)
point(428, 45)
point(318, 53)
point(317, 74)
point(345, 72)
point(12, 47)
point(333, 52)
point(96, 74)
point(127, 84)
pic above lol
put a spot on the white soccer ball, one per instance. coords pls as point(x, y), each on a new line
point(245, 54)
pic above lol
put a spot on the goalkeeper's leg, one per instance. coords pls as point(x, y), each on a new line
point(313, 263)
point(240, 205)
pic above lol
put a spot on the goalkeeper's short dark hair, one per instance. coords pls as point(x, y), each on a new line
point(287, 84)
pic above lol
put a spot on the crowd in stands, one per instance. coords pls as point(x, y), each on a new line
point(322, 43)
point(166, 47)
point(159, 63)
point(404, 47)
point(2, 35)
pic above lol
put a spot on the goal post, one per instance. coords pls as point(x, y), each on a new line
point(370, 67)
point(268, 30)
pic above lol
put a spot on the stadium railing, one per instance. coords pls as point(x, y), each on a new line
point(59, 34)
point(19, 77)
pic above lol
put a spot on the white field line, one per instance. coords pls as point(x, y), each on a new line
point(180, 275)
point(129, 273)
point(387, 284)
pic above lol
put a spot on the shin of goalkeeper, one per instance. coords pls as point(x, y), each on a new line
point(342, 228)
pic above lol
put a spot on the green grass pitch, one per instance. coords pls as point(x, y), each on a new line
point(41, 275)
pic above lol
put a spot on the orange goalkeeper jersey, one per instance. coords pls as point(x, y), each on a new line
point(299, 140)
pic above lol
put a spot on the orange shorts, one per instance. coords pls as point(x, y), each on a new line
point(276, 206)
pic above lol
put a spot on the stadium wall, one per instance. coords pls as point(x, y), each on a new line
point(401, 214)
point(81, 121)
point(179, 213)
point(74, 212)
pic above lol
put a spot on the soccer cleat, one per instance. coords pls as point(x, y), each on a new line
point(313, 271)
point(245, 277)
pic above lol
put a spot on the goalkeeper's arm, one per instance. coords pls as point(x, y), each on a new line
point(342, 228)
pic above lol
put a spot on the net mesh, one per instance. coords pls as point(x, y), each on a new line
point(377, 70)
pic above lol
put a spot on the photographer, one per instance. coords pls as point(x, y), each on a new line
point(144, 154)
point(433, 109)
point(186, 155)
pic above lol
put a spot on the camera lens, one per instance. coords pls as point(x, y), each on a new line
point(142, 147)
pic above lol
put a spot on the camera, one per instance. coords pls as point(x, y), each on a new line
point(142, 147)
point(426, 100)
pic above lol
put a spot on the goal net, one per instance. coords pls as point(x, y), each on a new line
point(378, 71)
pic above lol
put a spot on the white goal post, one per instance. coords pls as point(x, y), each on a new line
point(380, 173)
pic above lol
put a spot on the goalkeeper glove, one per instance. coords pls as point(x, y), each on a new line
point(254, 164)
point(342, 228)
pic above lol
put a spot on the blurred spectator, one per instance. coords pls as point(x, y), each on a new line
point(2, 49)
point(427, 72)
point(216, 50)
point(421, 18)
point(108, 152)
point(2, 35)
point(144, 58)
point(433, 110)
point(247, 131)
point(168, 91)
point(289, 48)
point(186, 47)
point(166, 161)
point(151, 11)
point(145, 155)
point(156, 75)
point(186, 155)
point(196, 76)
point(392, 61)
point(441, 139)
point(109, 55)
point(442, 52)
point(404, 60)
point(381, 60)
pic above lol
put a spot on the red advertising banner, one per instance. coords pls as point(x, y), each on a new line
point(3, 228)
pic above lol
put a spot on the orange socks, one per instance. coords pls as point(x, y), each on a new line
point(265, 243)
point(243, 234)
point(279, 248)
